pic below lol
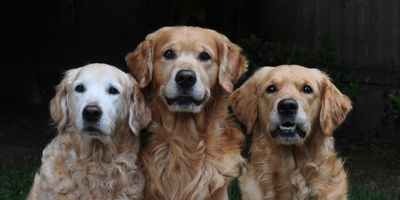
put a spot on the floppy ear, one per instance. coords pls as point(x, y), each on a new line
point(334, 107)
point(58, 104)
point(232, 64)
point(139, 113)
point(244, 102)
point(140, 62)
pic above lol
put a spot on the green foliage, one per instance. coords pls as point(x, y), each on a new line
point(233, 190)
point(395, 99)
point(342, 74)
point(263, 53)
point(325, 57)
point(260, 53)
point(355, 193)
point(362, 193)
point(391, 110)
point(16, 180)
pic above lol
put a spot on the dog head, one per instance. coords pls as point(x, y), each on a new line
point(98, 100)
point(184, 64)
point(289, 103)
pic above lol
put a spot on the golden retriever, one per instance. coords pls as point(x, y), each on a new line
point(191, 150)
point(99, 111)
point(292, 112)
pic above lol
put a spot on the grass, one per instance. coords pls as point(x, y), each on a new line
point(373, 167)
point(355, 193)
point(362, 193)
point(233, 190)
point(16, 180)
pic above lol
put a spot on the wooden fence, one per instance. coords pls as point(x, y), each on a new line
point(367, 32)
point(49, 35)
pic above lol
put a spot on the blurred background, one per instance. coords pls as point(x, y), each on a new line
point(357, 42)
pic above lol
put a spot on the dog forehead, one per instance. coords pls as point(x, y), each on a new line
point(101, 73)
point(293, 74)
point(186, 39)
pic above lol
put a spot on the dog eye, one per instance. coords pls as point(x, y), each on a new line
point(169, 54)
point(205, 56)
point(271, 89)
point(80, 88)
point(113, 91)
point(307, 89)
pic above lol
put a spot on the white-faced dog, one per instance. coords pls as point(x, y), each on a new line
point(99, 111)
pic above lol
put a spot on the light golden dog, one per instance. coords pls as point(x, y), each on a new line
point(100, 112)
point(292, 112)
point(192, 150)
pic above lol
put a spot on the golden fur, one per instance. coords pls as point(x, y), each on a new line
point(101, 162)
point(291, 166)
point(190, 151)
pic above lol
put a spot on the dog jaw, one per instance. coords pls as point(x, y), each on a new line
point(185, 100)
point(289, 131)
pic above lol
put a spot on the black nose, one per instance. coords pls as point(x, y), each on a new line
point(287, 107)
point(91, 113)
point(186, 78)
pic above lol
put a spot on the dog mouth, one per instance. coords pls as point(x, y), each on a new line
point(288, 129)
point(183, 100)
point(92, 131)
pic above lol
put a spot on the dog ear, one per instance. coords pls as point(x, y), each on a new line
point(334, 107)
point(139, 113)
point(232, 64)
point(140, 61)
point(58, 104)
point(244, 102)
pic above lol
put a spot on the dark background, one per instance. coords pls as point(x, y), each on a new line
point(43, 38)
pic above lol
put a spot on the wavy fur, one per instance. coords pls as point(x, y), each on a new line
point(308, 168)
point(78, 166)
point(189, 155)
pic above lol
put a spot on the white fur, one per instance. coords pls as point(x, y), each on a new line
point(96, 94)
point(101, 162)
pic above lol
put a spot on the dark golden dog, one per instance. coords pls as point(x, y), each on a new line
point(192, 150)
point(292, 112)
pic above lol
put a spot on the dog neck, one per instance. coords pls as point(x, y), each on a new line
point(289, 167)
point(315, 149)
point(102, 150)
point(97, 150)
point(180, 146)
